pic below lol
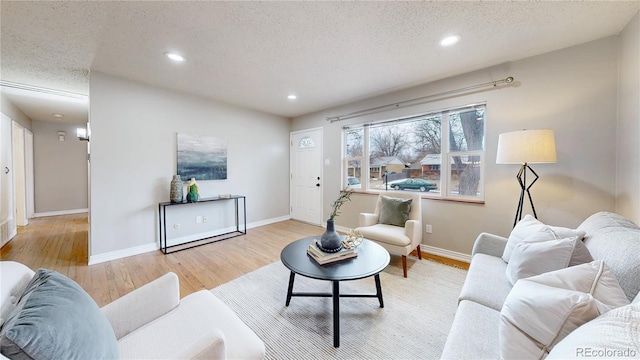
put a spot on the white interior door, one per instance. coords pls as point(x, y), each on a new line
point(306, 176)
point(19, 175)
point(7, 223)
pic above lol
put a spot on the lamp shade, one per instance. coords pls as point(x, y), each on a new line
point(526, 146)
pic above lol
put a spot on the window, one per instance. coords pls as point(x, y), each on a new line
point(355, 153)
point(306, 142)
point(390, 155)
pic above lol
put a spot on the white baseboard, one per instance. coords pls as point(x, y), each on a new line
point(446, 253)
point(119, 254)
point(60, 212)
point(8, 230)
point(256, 224)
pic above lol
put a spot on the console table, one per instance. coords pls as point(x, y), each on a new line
point(162, 216)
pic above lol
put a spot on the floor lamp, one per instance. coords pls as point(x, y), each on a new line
point(526, 147)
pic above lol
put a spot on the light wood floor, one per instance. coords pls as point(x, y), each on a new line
point(60, 243)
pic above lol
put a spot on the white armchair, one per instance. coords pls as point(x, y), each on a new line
point(152, 322)
point(397, 240)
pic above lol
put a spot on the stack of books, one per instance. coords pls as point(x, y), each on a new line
point(323, 258)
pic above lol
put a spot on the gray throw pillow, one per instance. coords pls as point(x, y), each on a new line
point(394, 211)
point(56, 319)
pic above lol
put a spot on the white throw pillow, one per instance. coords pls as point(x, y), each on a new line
point(541, 310)
point(529, 226)
point(616, 334)
point(532, 258)
point(581, 254)
point(524, 228)
point(537, 254)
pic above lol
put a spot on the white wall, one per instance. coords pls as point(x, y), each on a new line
point(133, 158)
point(60, 168)
point(572, 91)
point(14, 113)
point(628, 162)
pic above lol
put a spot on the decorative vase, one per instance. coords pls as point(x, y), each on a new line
point(192, 196)
point(192, 191)
point(175, 195)
point(330, 240)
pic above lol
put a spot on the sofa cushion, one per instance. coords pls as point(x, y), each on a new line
point(394, 211)
point(541, 310)
point(56, 319)
point(602, 220)
point(197, 313)
point(531, 258)
point(615, 334)
point(145, 304)
point(463, 341)
point(530, 226)
point(616, 240)
point(15, 278)
point(389, 234)
point(486, 282)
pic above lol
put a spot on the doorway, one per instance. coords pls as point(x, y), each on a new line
point(7, 211)
point(19, 175)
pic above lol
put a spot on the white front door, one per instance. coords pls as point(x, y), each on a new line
point(306, 176)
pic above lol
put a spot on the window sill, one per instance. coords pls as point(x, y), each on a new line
point(426, 197)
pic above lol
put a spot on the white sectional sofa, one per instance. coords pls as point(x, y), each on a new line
point(483, 326)
point(151, 322)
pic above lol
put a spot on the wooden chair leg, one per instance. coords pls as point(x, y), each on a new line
point(404, 265)
point(419, 252)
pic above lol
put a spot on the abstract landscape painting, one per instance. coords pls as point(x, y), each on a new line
point(202, 157)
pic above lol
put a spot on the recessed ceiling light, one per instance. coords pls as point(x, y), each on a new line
point(174, 57)
point(56, 115)
point(292, 97)
point(449, 40)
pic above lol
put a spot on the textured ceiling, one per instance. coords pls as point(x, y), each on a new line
point(254, 54)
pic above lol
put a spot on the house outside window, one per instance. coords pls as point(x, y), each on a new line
point(384, 155)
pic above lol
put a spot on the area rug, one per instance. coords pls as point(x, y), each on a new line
point(418, 312)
